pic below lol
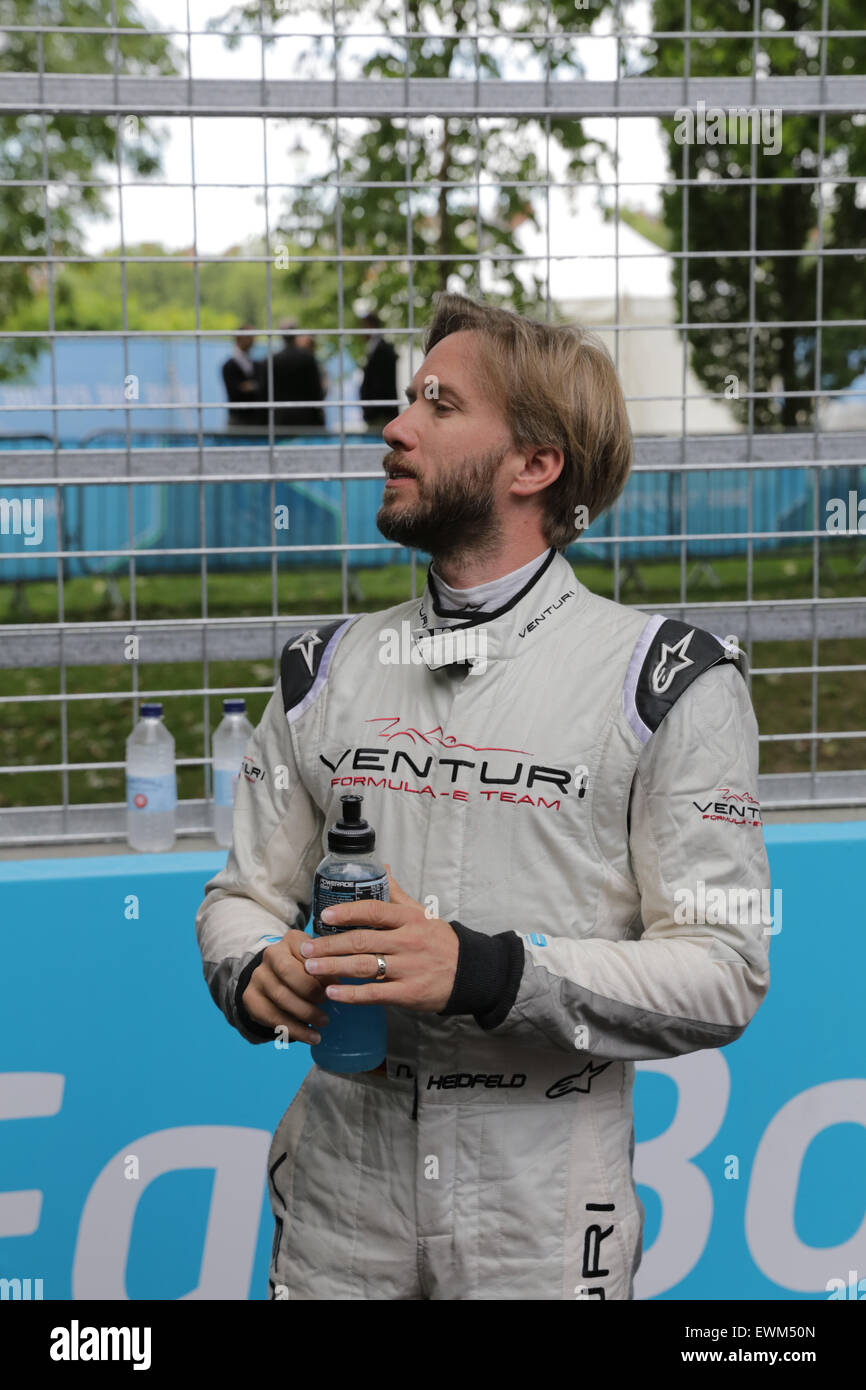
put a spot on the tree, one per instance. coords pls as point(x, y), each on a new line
point(88, 296)
point(445, 224)
point(71, 150)
point(787, 213)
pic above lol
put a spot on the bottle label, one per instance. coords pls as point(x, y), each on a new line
point(151, 793)
point(224, 786)
point(327, 892)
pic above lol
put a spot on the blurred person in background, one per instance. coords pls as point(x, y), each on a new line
point(307, 343)
point(242, 380)
point(296, 377)
point(379, 382)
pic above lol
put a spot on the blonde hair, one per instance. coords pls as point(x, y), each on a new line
point(555, 385)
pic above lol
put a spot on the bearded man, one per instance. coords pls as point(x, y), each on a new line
point(549, 789)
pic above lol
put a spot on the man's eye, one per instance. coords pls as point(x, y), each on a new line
point(441, 406)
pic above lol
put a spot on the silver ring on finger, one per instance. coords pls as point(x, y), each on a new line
point(383, 968)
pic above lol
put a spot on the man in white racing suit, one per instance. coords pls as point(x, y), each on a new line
point(558, 784)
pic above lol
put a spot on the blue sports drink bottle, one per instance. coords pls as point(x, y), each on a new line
point(355, 1039)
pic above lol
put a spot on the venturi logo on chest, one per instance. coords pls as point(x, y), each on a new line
point(479, 768)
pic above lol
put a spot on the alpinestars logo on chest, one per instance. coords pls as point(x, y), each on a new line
point(673, 660)
point(305, 644)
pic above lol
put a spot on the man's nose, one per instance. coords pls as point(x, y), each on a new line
point(399, 434)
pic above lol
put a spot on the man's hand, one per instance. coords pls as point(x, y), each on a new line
point(420, 952)
point(281, 992)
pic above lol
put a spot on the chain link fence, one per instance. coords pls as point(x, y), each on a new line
point(171, 172)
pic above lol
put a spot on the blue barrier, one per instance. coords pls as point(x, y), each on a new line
point(132, 1162)
point(166, 517)
point(181, 371)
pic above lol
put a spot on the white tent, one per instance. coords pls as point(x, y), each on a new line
point(616, 276)
point(619, 277)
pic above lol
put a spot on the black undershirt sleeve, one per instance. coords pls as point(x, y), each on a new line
point(489, 971)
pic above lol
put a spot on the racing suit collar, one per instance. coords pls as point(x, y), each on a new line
point(505, 631)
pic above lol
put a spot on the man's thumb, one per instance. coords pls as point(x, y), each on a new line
point(395, 892)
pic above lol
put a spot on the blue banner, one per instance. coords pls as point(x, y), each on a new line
point(135, 1123)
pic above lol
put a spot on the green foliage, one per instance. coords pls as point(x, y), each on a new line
point(716, 216)
point(444, 225)
point(160, 295)
point(74, 152)
point(444, 228)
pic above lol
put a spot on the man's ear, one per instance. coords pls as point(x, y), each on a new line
point(542, 467)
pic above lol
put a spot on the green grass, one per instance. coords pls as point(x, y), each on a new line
point(30, 733)
point(248, 593)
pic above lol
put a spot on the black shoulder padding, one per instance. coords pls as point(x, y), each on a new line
point(677, 655)
point(300, 661)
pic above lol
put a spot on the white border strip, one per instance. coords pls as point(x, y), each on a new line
point(321, 675)
point(638, 656)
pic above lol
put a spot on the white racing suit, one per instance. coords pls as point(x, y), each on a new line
point(569, 799)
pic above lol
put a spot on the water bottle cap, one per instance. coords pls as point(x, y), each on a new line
point(351, 834)
point(151, 711)
point(234, 706)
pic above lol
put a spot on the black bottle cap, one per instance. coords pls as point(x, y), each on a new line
point(351, 834)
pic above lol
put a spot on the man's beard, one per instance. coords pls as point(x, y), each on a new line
point(454, 516)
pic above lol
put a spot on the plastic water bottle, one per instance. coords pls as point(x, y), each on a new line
point(356, 1037)
point(229, 746)
point(151, 783)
